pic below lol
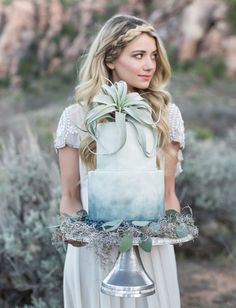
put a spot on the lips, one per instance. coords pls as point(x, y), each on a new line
point(145, 77)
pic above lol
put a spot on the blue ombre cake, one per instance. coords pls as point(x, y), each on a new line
point(127, 184)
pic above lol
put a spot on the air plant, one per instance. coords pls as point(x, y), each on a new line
point(116, 104)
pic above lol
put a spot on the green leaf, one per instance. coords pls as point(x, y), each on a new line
point(112, 225)
point(103, 99)
point(82, 214)
point(126, 243)
point(110, 91)
point(155, 226)
point(120, 123)
point(132, 106)
point(142, 137)
point(182, 230)
point(172, 214)
point(138, 223)
point(98, 112)
point(122, 91)
point(121, 127)
point(142, 116)
point(146, 243)
point(94, 115)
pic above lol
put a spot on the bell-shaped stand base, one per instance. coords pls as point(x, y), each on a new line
point(128, 277)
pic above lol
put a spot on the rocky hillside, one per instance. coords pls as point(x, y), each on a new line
point(39, 37)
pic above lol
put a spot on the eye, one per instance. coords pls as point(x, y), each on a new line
point(155, 56)
point(138, 56)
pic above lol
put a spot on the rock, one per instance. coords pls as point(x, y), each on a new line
point(46, 49)
point(38, 28)
point(17, 36)
point(197, 19)
point(212, 44)
point(230, 55)
point(54, 65)
point(132, 7)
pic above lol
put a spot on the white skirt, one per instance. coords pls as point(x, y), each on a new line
point(83, 275)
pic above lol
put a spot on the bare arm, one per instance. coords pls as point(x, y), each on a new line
point(171, 200)
point(69, 169)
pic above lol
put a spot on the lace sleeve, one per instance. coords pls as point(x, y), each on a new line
point(176, 131)
point(68, 130)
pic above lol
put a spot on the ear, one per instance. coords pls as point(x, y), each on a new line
point(110, 65)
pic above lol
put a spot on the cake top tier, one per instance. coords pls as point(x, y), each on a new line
point(119, 106)
point(131, 155)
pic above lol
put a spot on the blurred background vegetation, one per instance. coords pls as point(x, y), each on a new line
point(39, 84)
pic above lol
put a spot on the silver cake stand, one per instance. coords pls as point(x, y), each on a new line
point(128, 277)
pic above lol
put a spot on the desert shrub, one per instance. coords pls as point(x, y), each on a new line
point(7, 2)
point(68, 3)
point(208, 185)
point(203, 133)
point(31, 268)
point(29, 68)
point(4, 82)
point(231, 14)
point(207, 68)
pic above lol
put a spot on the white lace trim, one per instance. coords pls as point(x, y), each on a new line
point(176, 133)
point(67, 130)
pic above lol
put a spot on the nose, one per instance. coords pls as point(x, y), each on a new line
point(149, 63)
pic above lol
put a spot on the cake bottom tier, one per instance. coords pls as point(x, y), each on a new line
point(126, 195)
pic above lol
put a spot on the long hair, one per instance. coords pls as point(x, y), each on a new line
point(114, 36)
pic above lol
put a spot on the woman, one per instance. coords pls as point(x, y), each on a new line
point(126, 48)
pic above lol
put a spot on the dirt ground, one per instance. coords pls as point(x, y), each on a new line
point(207, 284)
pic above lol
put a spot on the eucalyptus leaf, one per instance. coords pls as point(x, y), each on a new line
point(82, 214)
point(112, 225)
point(146, 243)
point(51, 227)
point(172, 214)
point(155, 226)
point(126, 243)
point(182, 230)
point(139, 223)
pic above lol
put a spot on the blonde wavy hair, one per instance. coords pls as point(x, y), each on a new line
point(114, 36)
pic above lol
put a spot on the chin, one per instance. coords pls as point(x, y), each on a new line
point(142, 86)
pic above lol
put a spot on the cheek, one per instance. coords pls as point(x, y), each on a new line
point(131, 66)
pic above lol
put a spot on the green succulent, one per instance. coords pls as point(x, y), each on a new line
point(118, 105)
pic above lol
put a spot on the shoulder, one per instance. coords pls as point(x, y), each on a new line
point(176, 124)
point(73, 111)
point(69, 126)
point(174, 111)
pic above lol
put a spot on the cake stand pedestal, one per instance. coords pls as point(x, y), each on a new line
point(128, 277)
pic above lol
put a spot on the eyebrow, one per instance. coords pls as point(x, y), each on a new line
point(143, 51)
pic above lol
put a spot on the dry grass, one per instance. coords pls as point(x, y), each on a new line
point(207, 284)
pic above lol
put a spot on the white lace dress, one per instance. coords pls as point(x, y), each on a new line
point(83, 272)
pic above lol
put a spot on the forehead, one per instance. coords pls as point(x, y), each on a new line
point(143, 42)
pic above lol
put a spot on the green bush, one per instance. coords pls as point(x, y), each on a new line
point(210, 173)
point(231, 15)
point(208, 185)
point(203, 133)
point(31, 268)
point(68, 3)
point(207, 69)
